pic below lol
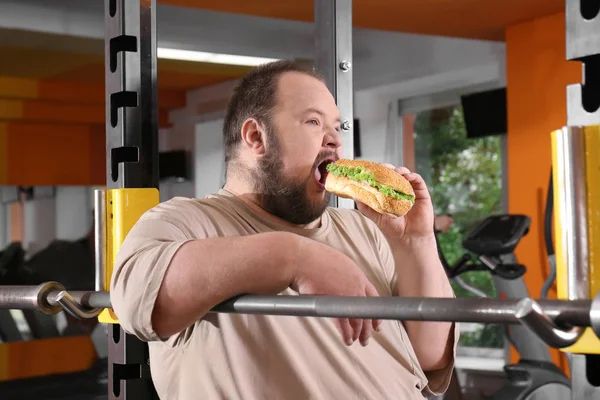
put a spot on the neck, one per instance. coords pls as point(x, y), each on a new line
point(245, 191)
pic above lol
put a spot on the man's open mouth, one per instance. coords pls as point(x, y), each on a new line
point(321, 170)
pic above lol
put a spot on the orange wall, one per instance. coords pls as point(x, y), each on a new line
point(44, 357)
point(52, 154)
point(537, 76)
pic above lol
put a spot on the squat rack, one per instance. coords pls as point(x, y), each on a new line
point(132, 189)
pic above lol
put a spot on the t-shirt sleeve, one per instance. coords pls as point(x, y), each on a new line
point(439, 380)
point(140, 267)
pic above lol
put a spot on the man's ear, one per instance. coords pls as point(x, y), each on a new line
point(253, 136)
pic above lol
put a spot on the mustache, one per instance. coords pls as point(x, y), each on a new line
point(325, 155)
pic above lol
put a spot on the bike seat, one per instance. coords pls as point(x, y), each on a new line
point(497, 234)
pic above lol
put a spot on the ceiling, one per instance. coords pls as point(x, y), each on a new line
point(40, 68)
point(473, 19)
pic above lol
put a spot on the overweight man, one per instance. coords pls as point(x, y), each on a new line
point(270, 231)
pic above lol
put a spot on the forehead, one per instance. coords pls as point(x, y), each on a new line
point(297, 92)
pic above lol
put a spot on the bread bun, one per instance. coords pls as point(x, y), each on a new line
point(362, 191)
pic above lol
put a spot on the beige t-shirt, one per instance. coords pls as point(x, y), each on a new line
point(258, 357)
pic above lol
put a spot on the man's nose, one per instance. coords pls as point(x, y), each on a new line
point(332, 139)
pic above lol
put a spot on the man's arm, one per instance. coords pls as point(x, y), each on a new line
point(163, 281)
point(421, 274)
point(419, 271)
point(206, 272)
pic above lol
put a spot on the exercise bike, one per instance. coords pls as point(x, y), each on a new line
point(490, 248)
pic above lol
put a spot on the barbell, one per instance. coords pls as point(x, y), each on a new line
point(559, 323)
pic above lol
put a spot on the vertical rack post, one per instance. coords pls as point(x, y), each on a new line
point(132, 168)
point(100, 239)
point(576, 152)
point(333, 60)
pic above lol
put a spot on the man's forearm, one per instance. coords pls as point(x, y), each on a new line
point(206, 272)
point(421, 274)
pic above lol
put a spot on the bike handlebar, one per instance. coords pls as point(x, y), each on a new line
point(465, 264)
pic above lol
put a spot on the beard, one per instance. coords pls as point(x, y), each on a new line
point(286, 197)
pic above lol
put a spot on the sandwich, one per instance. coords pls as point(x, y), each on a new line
point(375, 185)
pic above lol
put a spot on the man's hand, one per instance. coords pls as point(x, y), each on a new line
point(323, 270)
point(417, 223)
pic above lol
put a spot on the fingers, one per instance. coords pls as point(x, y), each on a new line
point(357, 328)
point(377, 325)
point(366, 332)
point(417, 182)
point(414, 178)
point(419, 186)
point(372, 292)
point(401, 170)
point(410, 176)
point(369, 325)
point(343, 325)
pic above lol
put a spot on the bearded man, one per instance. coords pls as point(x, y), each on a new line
point(269, 230)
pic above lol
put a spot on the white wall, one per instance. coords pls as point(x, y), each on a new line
point(179, 137)
point(74, 216)
point(210, 162)
point(204, 141)
point(8, 195)
point(64, 212)
point(4, 226)
point(373, 111)
point(39, 223)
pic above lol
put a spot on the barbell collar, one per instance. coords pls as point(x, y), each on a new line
point(74, 308)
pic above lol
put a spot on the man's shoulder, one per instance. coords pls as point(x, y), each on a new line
point(182, 209)
point(213, 215)
point(178, 202)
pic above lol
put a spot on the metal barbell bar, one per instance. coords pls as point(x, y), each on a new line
point(556, 322)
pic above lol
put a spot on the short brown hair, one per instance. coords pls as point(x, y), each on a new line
point(254, 97)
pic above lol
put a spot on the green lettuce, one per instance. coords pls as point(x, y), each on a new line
point(359, 174)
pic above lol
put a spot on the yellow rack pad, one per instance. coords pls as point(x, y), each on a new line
point(124, 207)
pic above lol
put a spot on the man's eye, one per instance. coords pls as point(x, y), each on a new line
point(313, 121)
